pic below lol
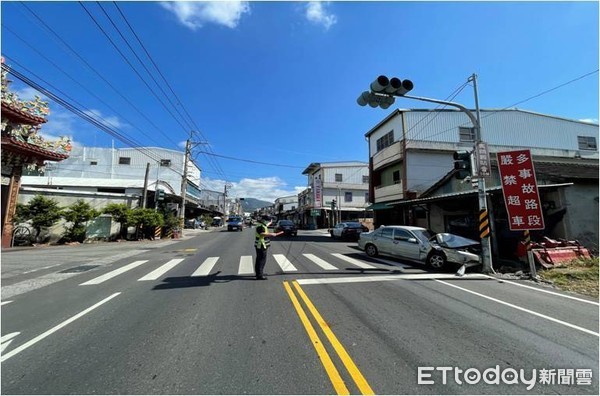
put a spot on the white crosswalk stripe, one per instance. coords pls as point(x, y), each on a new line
point(206, 267)
point(114, 273)
point(352, 260)
point(157, 273)
point(320, 262)
point(284, 263)
point(246, 266)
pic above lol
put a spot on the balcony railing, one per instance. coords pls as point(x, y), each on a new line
point(388, 193)
point(388, 155)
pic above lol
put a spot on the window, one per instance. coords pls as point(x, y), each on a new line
point(402, 235)
point(124, 161)
point(387, 232)
point(466, 134)
point(111, 190)
point(165, 162)
point(396, 177)
point(338, 177)
point(587, 142)
point(93, 162)
point(348, 197)
point(367, 197)
point(365, 179)
point(385, 140)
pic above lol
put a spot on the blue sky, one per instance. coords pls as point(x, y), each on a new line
point(277, 82)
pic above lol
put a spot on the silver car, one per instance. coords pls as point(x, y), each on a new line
point(421, 245)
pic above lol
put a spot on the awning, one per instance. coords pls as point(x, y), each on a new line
point(462, 194)
point(379, 206)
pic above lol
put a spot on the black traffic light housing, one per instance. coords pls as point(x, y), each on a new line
point(333, 204)
point(160, 195)
point(383, 91)
point(462, 164)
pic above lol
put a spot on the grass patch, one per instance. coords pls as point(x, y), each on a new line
point(578, 276)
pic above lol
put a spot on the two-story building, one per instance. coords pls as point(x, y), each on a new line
point(412, 177)
point(337, 191)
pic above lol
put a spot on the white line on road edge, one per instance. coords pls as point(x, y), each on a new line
point(114, 273)
point(6, 340)
point(523, 309)
point(154, 275)
point(55, 328)
point(380, 278)
point(5, 302)
point(542, 290)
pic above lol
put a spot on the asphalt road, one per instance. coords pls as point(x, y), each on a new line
point(187, 317)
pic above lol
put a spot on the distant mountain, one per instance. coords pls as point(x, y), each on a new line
point(251, 204)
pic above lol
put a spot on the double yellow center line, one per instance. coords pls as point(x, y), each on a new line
point(332, 372)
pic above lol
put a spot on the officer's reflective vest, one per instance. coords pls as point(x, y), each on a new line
point(260, 241)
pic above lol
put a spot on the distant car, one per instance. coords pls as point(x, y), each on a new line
point(217, 222)
point(287, 226)
point(235, 223)
point(192, 223)
point(421, 245)
point(348, 230)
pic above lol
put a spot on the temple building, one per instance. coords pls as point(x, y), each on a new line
point(22, 147)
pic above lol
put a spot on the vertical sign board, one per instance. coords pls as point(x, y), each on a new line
point(317, 192)
point(519, 187)
point(482, 159)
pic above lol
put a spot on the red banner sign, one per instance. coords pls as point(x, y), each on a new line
point(519, 186)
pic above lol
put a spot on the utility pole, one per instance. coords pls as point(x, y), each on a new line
point(483, 211)
point(145, 195)
point(184, 183)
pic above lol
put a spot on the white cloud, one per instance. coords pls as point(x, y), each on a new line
point(316, 13)
point(590, 120)
point(266, 188)
point(111, 121)
point(195, 14)
point(29, 93)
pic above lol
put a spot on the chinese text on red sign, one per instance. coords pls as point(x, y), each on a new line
point(520, 190)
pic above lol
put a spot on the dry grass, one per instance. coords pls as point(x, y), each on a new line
point(578, 276)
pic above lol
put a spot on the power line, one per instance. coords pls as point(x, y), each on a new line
point(211, 160)
point(56, 36)
point(251, 161)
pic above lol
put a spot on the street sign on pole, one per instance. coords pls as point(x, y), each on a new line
point(519, 187)
point(482, 159)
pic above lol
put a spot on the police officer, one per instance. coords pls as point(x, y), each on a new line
point(261, 244)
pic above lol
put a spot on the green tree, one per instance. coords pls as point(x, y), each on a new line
point(146, 220)
point(122, 214)
point(78, 214)
point(41, 211)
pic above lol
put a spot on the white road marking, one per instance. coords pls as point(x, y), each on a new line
point(320, 262)
point(37, 339)
point(381, 278)
point(352, 261)
point(522, 309)
point(284, 263)
point(246, 266)
point(542, 290)
point(157, 273)
point(401, 267)
point(114, 273)
point(206, 267)
point(5, 302)
point(6, 340)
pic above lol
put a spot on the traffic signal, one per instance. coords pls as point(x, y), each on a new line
point(333, 204)
point(462, 164)
point(160, 195)
point(383, 91)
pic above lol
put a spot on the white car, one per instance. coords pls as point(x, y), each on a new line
point(421, 245)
